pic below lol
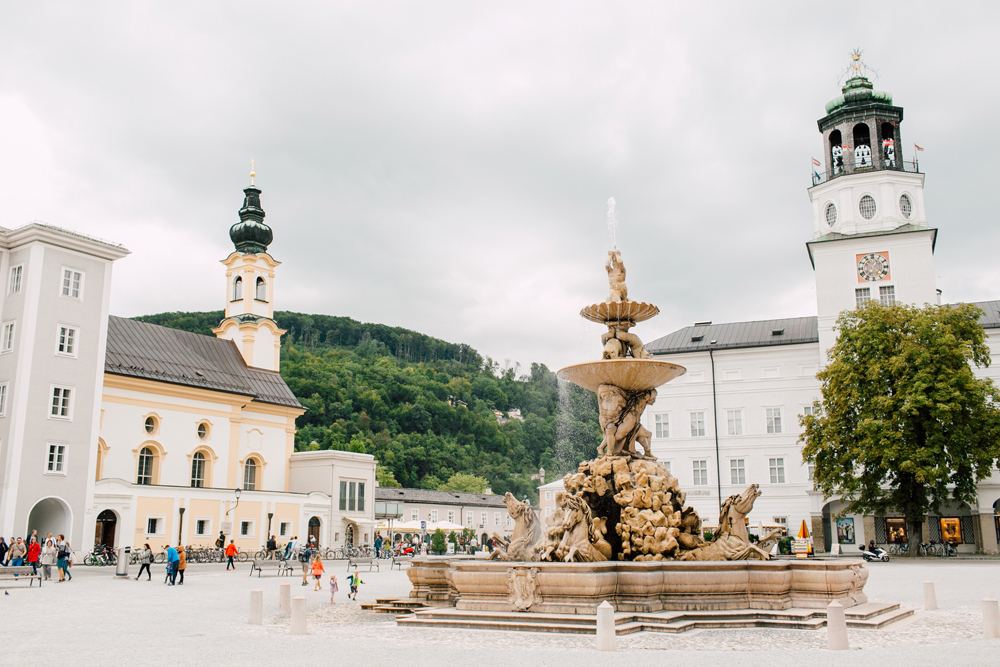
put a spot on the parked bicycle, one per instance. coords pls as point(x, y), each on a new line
point(101, 555)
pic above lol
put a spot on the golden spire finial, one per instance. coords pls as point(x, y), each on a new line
point(252, 174)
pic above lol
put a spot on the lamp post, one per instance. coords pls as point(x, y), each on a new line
point(238, 492)
point(270, 515)
point(180, 527)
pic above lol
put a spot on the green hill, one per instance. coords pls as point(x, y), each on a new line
point(399, 395)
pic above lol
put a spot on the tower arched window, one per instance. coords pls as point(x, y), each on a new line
point(260, 292)
point(198, 470)
point(250, 475)
point(238, 289)
point(836, 152)
point(888, 145)
point(145, 472)
point(862, 146)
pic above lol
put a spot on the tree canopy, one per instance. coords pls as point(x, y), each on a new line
point(904, 423)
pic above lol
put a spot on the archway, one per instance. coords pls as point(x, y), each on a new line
point(349, 535)
point(314, 526)
point(104, 531)
point(50, 515)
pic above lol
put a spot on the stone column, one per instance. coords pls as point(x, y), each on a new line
point(986, 541)
point(925, 531)
point(869, 523)
point(819, 543)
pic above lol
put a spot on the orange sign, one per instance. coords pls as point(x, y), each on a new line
point(873, 267)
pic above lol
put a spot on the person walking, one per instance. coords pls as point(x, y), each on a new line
point(17, 553)
point(378, 545)
point(173, 559)
point(305, 557)
point(181, 563)
point(292, 548)
point(63, 555)
point(355, 581)
point(333, 587)
point(145, 559)
point(317, 572)
point(272, 546)
point(231, 553)
point(48, 559)
point(34, 551)
point(220, 542)
point(3, 552)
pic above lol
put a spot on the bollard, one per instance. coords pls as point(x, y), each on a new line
point(991, 618)
point(930, 597)
point(257, 607)
point(836, 627)
point(605, 627)
point(285, 596)
point(298, 626)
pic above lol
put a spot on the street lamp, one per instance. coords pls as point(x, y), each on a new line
point(270, 515)
point(180, 527)
point(238, 492)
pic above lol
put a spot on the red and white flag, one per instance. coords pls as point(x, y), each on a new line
point(815, 162)
point(918, 147)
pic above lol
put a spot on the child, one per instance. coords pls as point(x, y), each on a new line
point(333, 587)
point(355, 580)
point(317, 570)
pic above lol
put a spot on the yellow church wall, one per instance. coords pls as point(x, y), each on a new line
point(285, 512)
point(249, 511)
point(163, 510)
point(202, 509)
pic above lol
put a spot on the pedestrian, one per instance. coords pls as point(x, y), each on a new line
point(64, 554)
point(33, 537)
point(272, 546)
point(34, 551)
point(172, 560)
point(292, 548)
point(231, 552)
point(3, 552)
point(18, 552)
point(181, 563)
point(317, 571)
point(378, 545)
point(333, 587)
point(221, 541)
point(145, 558)
point(354, 580)
point(305, 557)
point(48, 559)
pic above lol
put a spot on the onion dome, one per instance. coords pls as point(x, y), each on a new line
point(858, 91)
point(250, 235)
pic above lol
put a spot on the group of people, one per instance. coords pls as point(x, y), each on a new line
point(34, 553)
point(176, 564)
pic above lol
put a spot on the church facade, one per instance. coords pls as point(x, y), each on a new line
point(733, 418)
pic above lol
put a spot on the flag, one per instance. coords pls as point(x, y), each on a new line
point(918, 147)
point(816, 162)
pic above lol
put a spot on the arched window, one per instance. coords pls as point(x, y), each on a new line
point(888, 145)
point(862, 146)
point(145, 473)
point(250, 475)
point(238, 289)
point(198, 470)
point(261, 290)
point(150, 425)
point(836, 152)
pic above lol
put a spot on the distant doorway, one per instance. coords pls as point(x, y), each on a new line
point(314, 526)
point(349, 535)
point(104, 532)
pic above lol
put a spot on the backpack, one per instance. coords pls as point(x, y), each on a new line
point(63, 552)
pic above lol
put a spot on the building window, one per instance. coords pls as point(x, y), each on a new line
point(662, 422)
point(697, 424)
point(246, 528)
point(862, 295)
point(811, 469)
point(781, 521)
point(261, 292)
point(451, 516)
point(831, 215)
point(150, 425)
point(61, 403)
point(238, 289)
point(548, 511)
point(284, 528)
point(3, 399)
point(773, 420)
point(361, 496)
point(72, 283)
point(734, 419)
point(7, 339)
point(198, 470)
point(250, 475)
point(201, 527)
point(15, 278)
point(738, 470)
point(414, 514)
point(777, 470)
point(887, 295)
point(496, 518)
point(808, 410)
point(343, 499)
point(700, 469)
point(66, 340)
point(153, 526)
point(666, 464)
point(145, 473)
point(867, 207)
point(482, 518)
point(468, 518)
point(203, 431)
point(905, 207)
point(57, 459)
point(434, 516)
point(352, 496)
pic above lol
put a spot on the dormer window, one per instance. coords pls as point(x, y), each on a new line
point(238, 289)
point(260, 292)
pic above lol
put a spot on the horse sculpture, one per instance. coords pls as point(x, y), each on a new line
point(582, 537)
point(527, 533)
point(731, 541)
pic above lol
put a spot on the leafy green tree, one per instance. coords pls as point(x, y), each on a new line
point(438, 544)
point(904, 422)
point(465, 483)
point(386, 478)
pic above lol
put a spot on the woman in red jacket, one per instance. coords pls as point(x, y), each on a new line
point(34, 551)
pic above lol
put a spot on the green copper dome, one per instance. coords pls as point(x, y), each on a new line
point(858, 89)
point(250, 234)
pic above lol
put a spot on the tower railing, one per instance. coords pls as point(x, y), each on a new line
point(849, 166)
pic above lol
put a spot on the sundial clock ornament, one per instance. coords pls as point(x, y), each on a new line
point(873, 267)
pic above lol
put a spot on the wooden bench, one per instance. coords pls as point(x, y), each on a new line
point(400, 561)
point(279, 566)
point(23, 572)
point(370, 562)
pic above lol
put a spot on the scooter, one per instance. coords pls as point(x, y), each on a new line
point(879, 554)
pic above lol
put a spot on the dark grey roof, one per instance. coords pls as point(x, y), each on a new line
point(991, 318)
point(734, 335)
point(902, 229)
point(149, 351)
point(438, 497)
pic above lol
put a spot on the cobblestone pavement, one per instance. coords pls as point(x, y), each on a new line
point(95, 619)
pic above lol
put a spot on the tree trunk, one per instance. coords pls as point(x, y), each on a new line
point(914, 532)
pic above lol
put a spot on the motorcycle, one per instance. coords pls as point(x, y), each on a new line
point(878, 554)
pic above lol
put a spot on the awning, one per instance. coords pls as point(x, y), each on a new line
point(361, 523)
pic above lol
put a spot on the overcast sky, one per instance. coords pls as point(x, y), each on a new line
point(445, 166)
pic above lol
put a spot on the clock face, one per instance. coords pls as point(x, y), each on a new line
point(873, 267)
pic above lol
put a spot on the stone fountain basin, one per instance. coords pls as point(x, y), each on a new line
point(629, 374)
point(651, 586)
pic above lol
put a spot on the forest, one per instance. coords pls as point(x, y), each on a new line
point(424, 407)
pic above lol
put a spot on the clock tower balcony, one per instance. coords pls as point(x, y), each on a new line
point(864, 166)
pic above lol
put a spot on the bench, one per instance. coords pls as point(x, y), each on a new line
point(400, 561)
point(279, 566)
point(362, 561)
point(23, 572)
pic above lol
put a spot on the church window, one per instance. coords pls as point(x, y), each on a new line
point(836, 152)
point(238, 289)
point(198, 471)
point(700, 472)
point(150, 425)
point(662, 422)
point(906, 206)
point(831, 214)
point(862, 295)
point(887, 295)
point(250, 475)
point(867, 207)
point(697, 424)
point(145, 473)
point(734, 419)
point(862, 146)
point(261, 290)
point(773, 420)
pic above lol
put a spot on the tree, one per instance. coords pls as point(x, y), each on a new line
point(904, 423)
point(464, 483)
point(438, 542)
point(385, 478)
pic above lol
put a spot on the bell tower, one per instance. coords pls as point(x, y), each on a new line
point(249, 316)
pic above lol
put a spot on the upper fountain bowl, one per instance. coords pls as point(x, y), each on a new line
point(619, 311)
point(629, 374)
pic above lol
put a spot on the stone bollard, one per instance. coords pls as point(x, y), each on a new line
point(930, 597)
point(605, 627)
point(991, 618)
point(298, 626)
point(836, 627)
point(257, 607)
point(285, 597)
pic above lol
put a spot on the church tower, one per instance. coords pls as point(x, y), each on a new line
point(249, 318)
point(871, 240)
